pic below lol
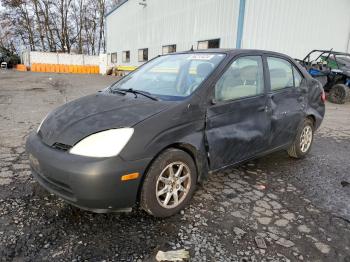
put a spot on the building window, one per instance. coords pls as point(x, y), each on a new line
point(126, 56)
point(143, 55)
point(114, 58)
point(167, 49)
point(207, 44)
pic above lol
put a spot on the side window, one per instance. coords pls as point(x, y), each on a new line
point(281, 73)
point(114, 58)
point(207, 44)
point(167, 49)
point(126, 56)
point(143, 55)
point(297, 77)
point(243, 78)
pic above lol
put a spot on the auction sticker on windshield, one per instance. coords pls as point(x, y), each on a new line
point(200, 57)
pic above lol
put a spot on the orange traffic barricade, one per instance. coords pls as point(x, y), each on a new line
point(57, 68)
point(21, 67)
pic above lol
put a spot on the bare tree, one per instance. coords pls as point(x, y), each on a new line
point(55, 25)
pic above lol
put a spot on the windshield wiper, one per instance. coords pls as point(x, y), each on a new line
point(138, 92)
point(118, 91)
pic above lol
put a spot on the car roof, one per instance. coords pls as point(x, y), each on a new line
point(236, 51)
point(229, 51)
point(233, 51)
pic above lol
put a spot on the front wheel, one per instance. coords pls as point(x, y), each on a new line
point(303, 140)
point(169, 183)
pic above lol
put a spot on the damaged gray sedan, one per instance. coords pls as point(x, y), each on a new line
point(151, 137)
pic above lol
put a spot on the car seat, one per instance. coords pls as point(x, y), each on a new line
point(279, 79)
point(241, 82)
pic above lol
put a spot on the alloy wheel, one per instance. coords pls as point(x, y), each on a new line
point(306, 139)
point(173, 184)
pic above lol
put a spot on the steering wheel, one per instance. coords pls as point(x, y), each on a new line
point(191, 88)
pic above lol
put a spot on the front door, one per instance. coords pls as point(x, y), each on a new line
point(238, 122)
point(287, 100)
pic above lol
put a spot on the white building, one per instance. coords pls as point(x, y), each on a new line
point(138, 30)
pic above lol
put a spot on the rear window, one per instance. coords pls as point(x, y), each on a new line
point(281, 73)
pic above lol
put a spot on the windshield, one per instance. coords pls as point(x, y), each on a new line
point(171, 77)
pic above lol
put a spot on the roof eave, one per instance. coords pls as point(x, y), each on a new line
point(116, 7)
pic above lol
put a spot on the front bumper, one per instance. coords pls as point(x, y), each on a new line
point(90, 183)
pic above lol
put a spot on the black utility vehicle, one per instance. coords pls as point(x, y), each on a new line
point(157, 132)
point(9, 57)
point(332, 69)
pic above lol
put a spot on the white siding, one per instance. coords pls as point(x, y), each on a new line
point(164, 22)
point(295, 27)
point(32, 57)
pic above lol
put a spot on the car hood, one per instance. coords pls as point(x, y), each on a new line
point(75, 120)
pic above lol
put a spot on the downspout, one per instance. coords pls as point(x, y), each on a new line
point(105, 32)
point(348, 43)
point(105, 54)
point(240, 23)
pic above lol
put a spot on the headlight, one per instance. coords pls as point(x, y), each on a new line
point(103, 144)
point(42, 121)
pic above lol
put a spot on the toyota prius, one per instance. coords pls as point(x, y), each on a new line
point(150, 138)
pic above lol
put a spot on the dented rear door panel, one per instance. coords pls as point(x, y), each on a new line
point(287, 110)
point(286, 106)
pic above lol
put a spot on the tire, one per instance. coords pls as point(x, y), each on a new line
point(339, 93)
point(158, 179)
point(298, 149)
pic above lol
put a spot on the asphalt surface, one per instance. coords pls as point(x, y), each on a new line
point(299, 208)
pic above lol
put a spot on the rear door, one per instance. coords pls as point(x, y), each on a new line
point(287, 100)
point(238, 123)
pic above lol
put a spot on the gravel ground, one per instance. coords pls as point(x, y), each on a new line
point(299, 208)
